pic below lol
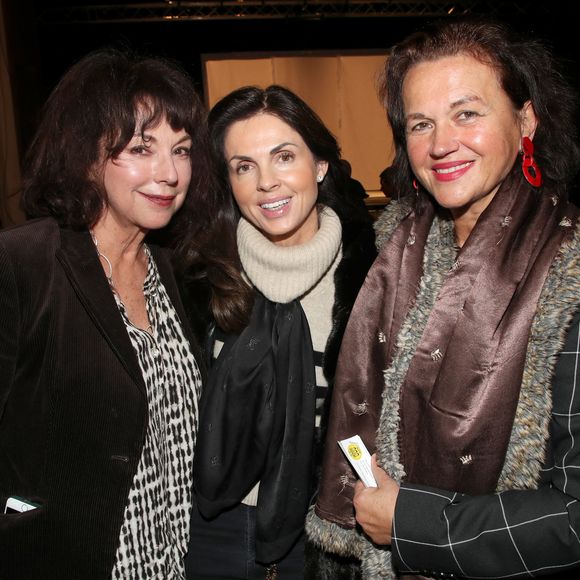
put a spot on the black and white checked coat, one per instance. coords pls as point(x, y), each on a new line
point(512, 533)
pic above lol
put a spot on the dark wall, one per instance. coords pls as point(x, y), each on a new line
point(50, 48)
point(41, 50)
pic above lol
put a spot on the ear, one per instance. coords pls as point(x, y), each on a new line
point(321, 168)
point(529, 120)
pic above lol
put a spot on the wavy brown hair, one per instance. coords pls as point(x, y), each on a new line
point(526, 70)
point(91, 115)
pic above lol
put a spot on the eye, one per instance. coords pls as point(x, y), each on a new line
point(467, 115)
point(419, 127)
point(243, 168)
point(140, 149)
point(182, 150)
point(286, 156)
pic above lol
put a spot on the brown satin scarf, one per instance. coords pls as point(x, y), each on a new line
point(458, 398)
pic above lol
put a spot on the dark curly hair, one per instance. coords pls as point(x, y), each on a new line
point(527, 71)
point(91, 115)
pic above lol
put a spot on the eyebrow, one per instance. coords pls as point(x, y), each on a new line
point(458, 103)
point(464, 100)
point(149, 137)
point(281, 146)
point(272, 152)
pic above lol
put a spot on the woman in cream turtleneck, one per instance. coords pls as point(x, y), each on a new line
point(302, 248)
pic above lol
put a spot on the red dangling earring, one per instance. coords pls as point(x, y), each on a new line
point(416, 187)
point(530, 168)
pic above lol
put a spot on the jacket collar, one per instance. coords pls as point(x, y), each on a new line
point(80, 262)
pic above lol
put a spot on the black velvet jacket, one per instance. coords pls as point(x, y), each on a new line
point(73, 406)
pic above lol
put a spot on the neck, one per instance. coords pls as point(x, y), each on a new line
point(466, 217)
point(117, 243)
point(119, 255)
point(462, 231)
point(284, 273)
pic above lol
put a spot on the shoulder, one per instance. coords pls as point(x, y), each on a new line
point(27, 255)
point(559, 300)
point(391, 217)
point(32, 231)
point(567, 262)
point(34, 239)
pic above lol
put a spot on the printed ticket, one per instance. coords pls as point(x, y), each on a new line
point(360, 458)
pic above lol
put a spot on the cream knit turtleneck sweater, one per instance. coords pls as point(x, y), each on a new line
point(305, 271)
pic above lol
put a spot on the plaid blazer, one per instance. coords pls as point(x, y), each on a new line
point(497, 535)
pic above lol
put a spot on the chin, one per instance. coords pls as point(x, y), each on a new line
point(273, 229)
point(451, 201)
point(155, 225)
point(276, 235)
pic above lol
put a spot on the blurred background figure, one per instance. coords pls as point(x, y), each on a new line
point(356, 187)
point(387, 185)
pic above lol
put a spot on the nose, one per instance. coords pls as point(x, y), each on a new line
point(444, 141)
point(165, 169)
point(267, 180)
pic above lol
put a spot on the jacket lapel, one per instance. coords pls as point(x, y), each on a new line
point(79, 260)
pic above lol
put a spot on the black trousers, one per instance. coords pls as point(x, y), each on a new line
point(225, 548)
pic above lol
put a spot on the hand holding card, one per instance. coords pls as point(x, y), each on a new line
point(360, 458)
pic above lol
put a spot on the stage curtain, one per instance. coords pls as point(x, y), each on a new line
point(10, 213)
point(341, 88)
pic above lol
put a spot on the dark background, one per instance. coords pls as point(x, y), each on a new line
point(44, 38)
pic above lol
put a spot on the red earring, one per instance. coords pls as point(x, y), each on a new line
point(530, 168)
point(416, 187)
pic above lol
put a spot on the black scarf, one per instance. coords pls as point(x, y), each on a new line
point(257, 424)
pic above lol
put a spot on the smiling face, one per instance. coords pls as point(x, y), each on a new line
point(147, 183)
point(463, 132)
point(273, 175)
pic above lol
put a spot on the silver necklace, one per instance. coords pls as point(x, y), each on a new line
point(109, 274)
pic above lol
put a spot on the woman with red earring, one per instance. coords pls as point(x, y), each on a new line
point(464, 340)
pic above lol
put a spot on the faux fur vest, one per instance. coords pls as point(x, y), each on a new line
point(529, 438)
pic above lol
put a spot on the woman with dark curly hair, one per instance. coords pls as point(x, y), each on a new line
point(100, 373)
point(463, 343)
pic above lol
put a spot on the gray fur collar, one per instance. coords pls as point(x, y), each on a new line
point(527, 448)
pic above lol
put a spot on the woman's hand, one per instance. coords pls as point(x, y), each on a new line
point(375, 506)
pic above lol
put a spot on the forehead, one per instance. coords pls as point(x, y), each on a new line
point(261, 130)
point(450, 78)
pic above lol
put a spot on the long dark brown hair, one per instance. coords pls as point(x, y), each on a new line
point(232, 298)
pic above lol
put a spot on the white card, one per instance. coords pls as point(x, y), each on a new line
point(360, 458)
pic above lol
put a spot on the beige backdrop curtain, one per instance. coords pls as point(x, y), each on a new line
point(340, 88)
point(9, 159)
